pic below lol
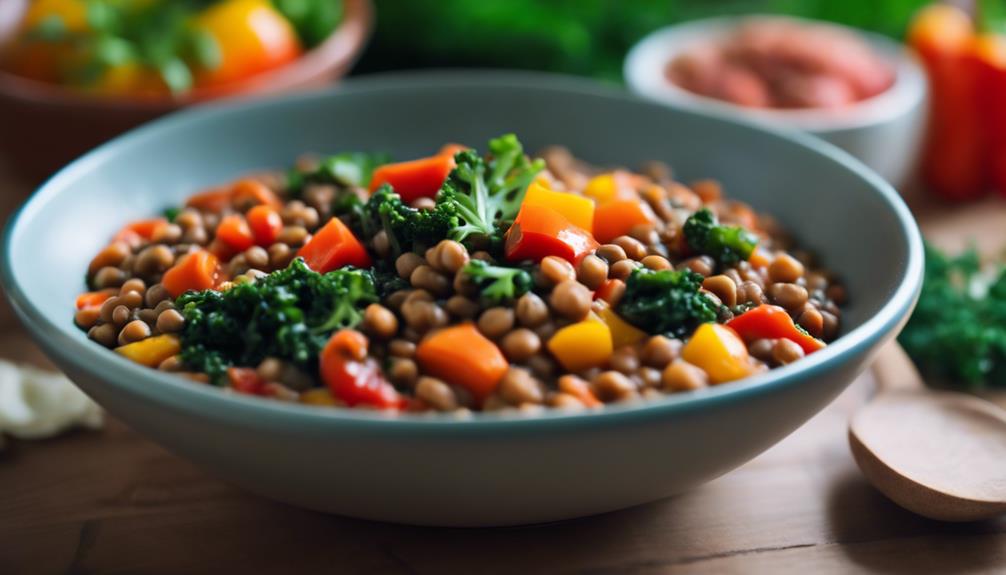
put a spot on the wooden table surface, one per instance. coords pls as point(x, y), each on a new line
point(113, 502)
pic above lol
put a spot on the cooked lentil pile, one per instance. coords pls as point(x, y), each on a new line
point(459, 282)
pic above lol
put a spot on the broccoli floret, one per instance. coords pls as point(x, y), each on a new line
point(666, 302)
point(346, 169)
point(408, 229)
point(726, 244)
point(287, 314)
point(498, 284)
point(486, 197)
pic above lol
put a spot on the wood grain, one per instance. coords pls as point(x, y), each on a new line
point(113, 502)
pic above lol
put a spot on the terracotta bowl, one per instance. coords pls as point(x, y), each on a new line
point(44, 126)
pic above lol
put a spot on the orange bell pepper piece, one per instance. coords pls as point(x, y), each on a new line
point(332, 247)
point(615, 218)
point(577, 209)
point(198, 270)
point(265, 224)
point(414, 179)
point(215, 200)
point(94, 299)
point(615, 185)
point(234, 231)
point(719, 351)
point(462, 356)
point(539, 231)
point(772, 322)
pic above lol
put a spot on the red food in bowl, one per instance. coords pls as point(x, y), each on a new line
point(783, 64)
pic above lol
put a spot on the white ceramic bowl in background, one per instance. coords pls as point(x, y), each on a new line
point(885, 132)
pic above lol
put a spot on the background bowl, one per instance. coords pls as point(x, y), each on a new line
point(47, 125)
point(486, 470)
point(885, 132)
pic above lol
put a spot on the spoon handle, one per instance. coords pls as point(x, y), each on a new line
point(894, 370)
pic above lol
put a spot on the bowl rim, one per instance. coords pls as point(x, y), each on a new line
point(339, 49)
point(643, 70)
point(177, 393)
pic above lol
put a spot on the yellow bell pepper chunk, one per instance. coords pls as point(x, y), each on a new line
point(319, 396)
point(622, 332)
point(72, 14)
point(609, 187)
point(719, 351)
point(582, 345)
point(577, 209)
point(151, 351)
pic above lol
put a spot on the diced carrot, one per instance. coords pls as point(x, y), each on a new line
point(248, 192)
point(579, 389)
point(246, 380)
point(462, 356)
point(134, 232)
point(198, 270)
point(616, 217)
point(609, 289)
point(415, 179)
point(265, 224)
point(215, 200)
point(332, 247)
point(94, 298)
point(235, 232)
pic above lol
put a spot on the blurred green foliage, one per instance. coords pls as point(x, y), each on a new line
point(587, 37)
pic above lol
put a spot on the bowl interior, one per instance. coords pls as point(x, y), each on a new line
point(833, 205)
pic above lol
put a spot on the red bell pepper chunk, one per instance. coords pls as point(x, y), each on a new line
point(415, 179)
point(772, 322)
point(539, 231)
point(246, 380)
point(234, 231)
point(354, 377)
point(332, 247)
point(265, 224)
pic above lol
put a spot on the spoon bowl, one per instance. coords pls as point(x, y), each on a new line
point(939, 454)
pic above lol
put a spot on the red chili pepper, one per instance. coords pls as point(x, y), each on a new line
point(354, 377)
point(539, 231)
point(772, 322)
point(954, 163)
point(246, 380)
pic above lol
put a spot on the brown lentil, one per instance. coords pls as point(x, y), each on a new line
point(424, 203)
point(133, 285)
point(379, 321)
point(134, 331)
point(702, 265)
point(280, 256)
point(564, 401)
point(723, 287)
point(750, 292)
point(610, 253)
point(121, 315)
point(169, 234)
point(830, 322)
point(109, 277)
point(649, 377)
point(402, 348)
point(111, 256)
point(104, 333)
point(683, 376)
point(812, 321)
point(292, 235)
point(403, 371)
point(612, 386)
point(592, 271)
point(786, 351)
point(659, 350)
point(173, 364)
point(655, 262)
point(556, 270)
point(496, 322)
point(436, 393)
point(531, 310)
point(542, 366)
point(616, 292)
point(644, 233)
point(518, 386)
point(632, 247)
point(427, 278)
point(87, 317)
point(452, 256)
point(170, 321)
point(625, 360)
point(622, 269)
point(785, 269)
point(571, 299)
point(520, 344)
point(790, 296)
point(131, 299)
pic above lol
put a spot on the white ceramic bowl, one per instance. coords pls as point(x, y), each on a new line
point(885, 132)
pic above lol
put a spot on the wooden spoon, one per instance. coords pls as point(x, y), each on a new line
point(939, 454)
